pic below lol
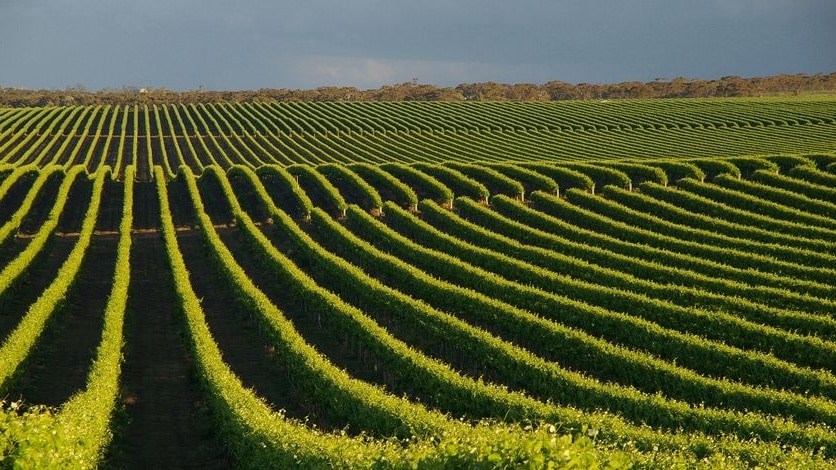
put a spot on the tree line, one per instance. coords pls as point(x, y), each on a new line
point(680, 87)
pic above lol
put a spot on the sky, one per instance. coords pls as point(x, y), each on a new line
point(250, 44)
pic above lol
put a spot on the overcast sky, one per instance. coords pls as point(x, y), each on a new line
point(248, 44)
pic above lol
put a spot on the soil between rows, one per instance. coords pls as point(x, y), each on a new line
point(71, 337)
point(163, 422)
point(28, 287)
point(14, 197)
point(42, 205)
point(295, 401)
point(15, 301)
point(236, 332)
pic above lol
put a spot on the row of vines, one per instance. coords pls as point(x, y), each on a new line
point(621, 313)
point(419, 285)
point(255, 134)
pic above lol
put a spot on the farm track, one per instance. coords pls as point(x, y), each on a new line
point(110, 212)
point(71, 337)
point(181, 211)
point(146, 207)
point(164, 422)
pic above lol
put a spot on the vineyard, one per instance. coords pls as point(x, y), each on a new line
point(579, 284)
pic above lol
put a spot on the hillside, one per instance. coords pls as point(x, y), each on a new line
point(645, 283)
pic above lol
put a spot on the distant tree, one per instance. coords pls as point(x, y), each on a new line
point(483, 91)
point(732, 86)
point(526, 92)
point(679, 87)
point(558, 90)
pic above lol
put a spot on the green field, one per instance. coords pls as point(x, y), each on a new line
point(646, 284)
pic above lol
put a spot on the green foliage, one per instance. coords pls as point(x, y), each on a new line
point(316, 185)
point(754, 204)
point(284, 187)
point(713, 167)
point(679, 318)
point(259, 437)
point(458, 182)
point(385, 183)
point(77, 435)
point(602, 176)
point(797, 188)
point(749, 165)
point(22, 339)
point(421, 183)
point(350, 183)
point(788, 162)
point(806, 198)
point(812, 175)
point(494, 181)
point(531, 180)
point(638, 173)
point(17, 217)
point(564, 177)
point(676, 170)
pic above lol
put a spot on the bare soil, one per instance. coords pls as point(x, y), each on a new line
point(146, 206)
point(15, 196)
point(143, 170)
point(171, 152)
point(16, 300)
point(111, 153)
point(214, 202)
point(282, 197)
point(246, 359)
point(250, 201)
point(157, 151)
point(429, 343)
point(343, 352)
point(20, 160)
point(39, 275)
point(164, 422)
point(70, 339)
point(85, 146)
point(72, 217)
point(110, 209)
point(318, 196)
point(237, 333)
point(201, 154)
point(99, 152)
point(64, 156)
point(182, 213)
point(41, 207)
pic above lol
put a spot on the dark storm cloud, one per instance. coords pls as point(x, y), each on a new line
point(366, 43)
